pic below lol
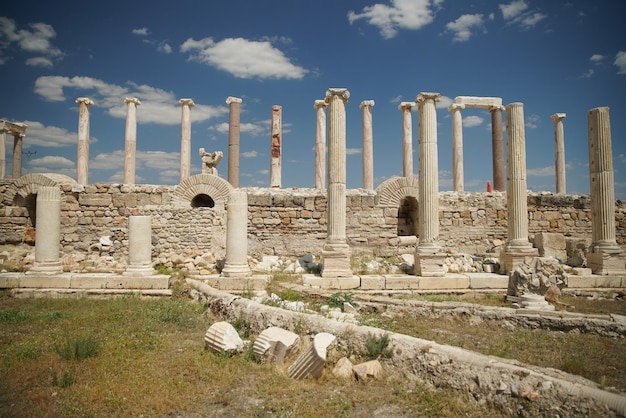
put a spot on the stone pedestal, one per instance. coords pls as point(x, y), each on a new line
point(82, 160)
point(510, 260)
point(368, 145)
point(276, 147)
point(497, 147)
point(185, 138)
point(139, 246)
point(517, 245)
point(237, 236)
point(130, 143)
point(336, 253)
point(320, 144)
point(407, 138)
point(457, 147)
point(234, 104)
point(428, 247)
point(48, 235)
point(559, 152)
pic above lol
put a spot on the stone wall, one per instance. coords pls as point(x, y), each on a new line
point(285, 222)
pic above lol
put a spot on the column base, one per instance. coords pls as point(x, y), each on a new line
point(139, 271)
point(430, 265)
point(336, 261)
point(236, 270)
point(604, 264)
point(46, 267)
point(243, 284)
point(509, 260)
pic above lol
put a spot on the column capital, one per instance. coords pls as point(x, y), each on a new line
point(343, 93)
point(84, 100)
point(406, 106)
point(366, 103)
point(276, 107)
point(425, 96)
point(558, 116)
point(187, 102)
point(132, 100)
point(494, 108)
point(319, 104)
point(231, 99)
point(456, 106)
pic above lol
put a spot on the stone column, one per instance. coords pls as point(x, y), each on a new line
point(139, 246)
point(237, 235)
point(320, 144)
point(48, 233)
point(368, 145)
point(517, 247)
point(427, 260)
point(3, 153)
point(276, 147)
point(606, 256)
point(234, 104)
point(130, 147)
point(559, 152)
point(457, 147)
point(82, 161)
point(336, 254)
point(18, 143)
point(407, 138)
point(497, 147)
point(185, 138)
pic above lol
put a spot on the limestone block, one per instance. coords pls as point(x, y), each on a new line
point(603, 263)
point(580, 281)
point(223, 337)
point(312, 361)
point(45, 280)
point(551, 244)
point(343, 369)
point(449, 281)
point(99, 199)
point(372, 282)
point(368, 370)
point(488, 281)
point(401, 282)
point(9, 280)
point(340, 283)
point(429, 265)
point(274, 344)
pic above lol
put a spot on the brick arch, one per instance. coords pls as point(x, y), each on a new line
point(391, 192)
point(30, 184)
point(215, 187)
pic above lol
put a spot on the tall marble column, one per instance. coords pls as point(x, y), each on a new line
point(457, 147)
point(18, 144)
point(497, 147)
point(48, 234)
point(82, 161)
point(336, 253)
point(237, 235)
point(3, 152)
point(276, 147)
point(368, 144)
point(139, 246)
point(320, 143)
point(407, 138)
point(185, 138)
point(517, 246)
point(130, 144)
point(234, 104)
point(606, 256)
point(428, 260)
point(559, 152)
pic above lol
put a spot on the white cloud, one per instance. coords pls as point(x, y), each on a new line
point(513, 9)
point(620, 62)
point(352, 151)
point(249, 154)
point(35, 40)
point(444, 103)
point(401, 14)
point(254, 129)
point(540, 171)
point(140, 31)
point(52, 162)
point(158, 106)
point(462, 27)
point(588, 73)
point(532, 121)
point(243, 58)
point(596, 58)
point(472, 121)
point(41, 135)
point(533, 19)
point(164, 47)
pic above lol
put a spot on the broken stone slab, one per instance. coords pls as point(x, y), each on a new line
point(343, 369)
point(274, 344)
point(312, 361)
point(223, 337)
point(368, 370)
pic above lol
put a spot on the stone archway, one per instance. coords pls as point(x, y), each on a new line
point(196, 190)
point(29, 184)
point(401, 193)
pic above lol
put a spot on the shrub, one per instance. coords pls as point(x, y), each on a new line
point(65, 379)
point(337, 300)
point(378, 346)
point(78, 348)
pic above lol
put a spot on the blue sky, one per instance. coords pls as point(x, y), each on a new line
point(554, 56)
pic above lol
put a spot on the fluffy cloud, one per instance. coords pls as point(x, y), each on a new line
point(517, 12)
point(401, 14)
point(35, 40)
point(254, 129)
point(462, 27)
point(140, 31)
point(352, 151)
point(243, 58)
point(596, 58)
point(158, 106)
point(249, 154)
point(52, 162)
point(620, 62)
point(532, 121)
point(472, 121)
point(40, 135)
point(513, 9)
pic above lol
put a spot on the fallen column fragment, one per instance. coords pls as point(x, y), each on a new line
point(312, 361)
point(274, 344)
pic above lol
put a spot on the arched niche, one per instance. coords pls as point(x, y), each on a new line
point(401, 193)
point(200, 190)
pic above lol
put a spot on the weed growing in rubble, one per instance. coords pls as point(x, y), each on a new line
point(378, 346)
point(336, 300)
